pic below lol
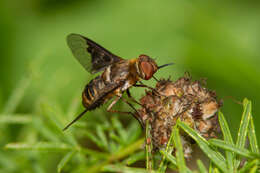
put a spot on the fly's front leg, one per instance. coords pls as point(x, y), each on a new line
point(145, 86)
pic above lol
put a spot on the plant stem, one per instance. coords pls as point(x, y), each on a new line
point(148, 147)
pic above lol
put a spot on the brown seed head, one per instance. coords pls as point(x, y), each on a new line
point(185, 100)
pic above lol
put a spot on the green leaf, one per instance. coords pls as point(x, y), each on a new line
point(7, 162)
point(16, 118)
point(134, 158)
point(94, 139)
point(169, 157)
point(133, 132)
point(45, 132)
point(47, 146)
point(124, 169)
point(52, 116)
point(204, 145)
point(201, 167)
point(17, 95)
point(254, 169)
point(179, 151)
point(64, 161)
point(228, 138)
point(119, 129)
point(102, 136)
point(125, 152)
point(169, 149)
point(242, 132)
point(224, 145)
point(248, 166)
point(131, 148)
point(73, 106)
point(211, 167)
point(115, 137)
point(241, 139)
point(55, 147)
point(216, 170)
point(252, 137)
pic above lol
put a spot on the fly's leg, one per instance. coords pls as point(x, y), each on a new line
point(113, 103)
point(143, 106)
point(145, 86)
point(136, 114)
point(129, 96)
point(109, 109)
point(156, 79)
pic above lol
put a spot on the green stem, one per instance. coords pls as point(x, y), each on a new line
point(148, 147)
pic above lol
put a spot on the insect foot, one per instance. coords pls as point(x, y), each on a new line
point(183, 99)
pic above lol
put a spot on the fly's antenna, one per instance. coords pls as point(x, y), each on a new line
point(165, 65)
point(76, 119)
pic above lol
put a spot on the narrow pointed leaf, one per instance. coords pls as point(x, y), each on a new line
point(228, 138)
point(248, 166)
point(252, 137)
point(215, 157)
point(119, 128)
point(124, 169)
point(16, 118)
point(64, 161)
point(17, 95)
point(134, 158)
point(201, 167)
point(40, 146)
point(102, 136)
point(242, 132)
point(224, 145)
point(169, 157)
point(179, 151)
point(254, 169)
point(169, 149)
point(94, 139)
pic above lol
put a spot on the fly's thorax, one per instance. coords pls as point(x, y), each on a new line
point(117, 72)
point(145, 67)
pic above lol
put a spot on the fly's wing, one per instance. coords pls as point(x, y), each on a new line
point(91, 56)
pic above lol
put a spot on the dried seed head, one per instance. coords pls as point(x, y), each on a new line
point(189, 101)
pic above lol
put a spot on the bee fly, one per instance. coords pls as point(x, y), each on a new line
point(118, 74)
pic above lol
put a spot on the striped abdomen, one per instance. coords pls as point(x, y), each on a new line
point(97, 92)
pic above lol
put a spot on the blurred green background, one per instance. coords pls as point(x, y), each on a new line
point(217, 40)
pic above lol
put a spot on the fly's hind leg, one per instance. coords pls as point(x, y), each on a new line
point(136, 114)
point(109, 109)
point(132, 98)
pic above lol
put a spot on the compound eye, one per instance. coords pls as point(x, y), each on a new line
point(148, 70)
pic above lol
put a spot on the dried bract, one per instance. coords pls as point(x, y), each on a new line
point(185, 100)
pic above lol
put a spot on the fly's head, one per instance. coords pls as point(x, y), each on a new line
point(146, 67)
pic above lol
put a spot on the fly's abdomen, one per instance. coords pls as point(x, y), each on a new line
point(92, 95)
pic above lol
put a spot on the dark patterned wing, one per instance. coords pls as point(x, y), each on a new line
point(91, 56)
